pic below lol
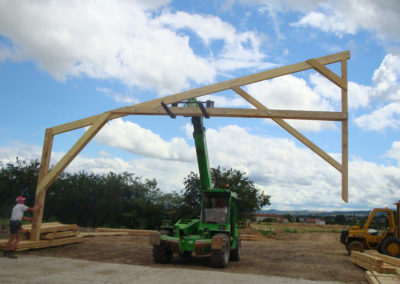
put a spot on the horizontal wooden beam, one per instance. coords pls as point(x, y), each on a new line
point(239, 112)
point(210, 89)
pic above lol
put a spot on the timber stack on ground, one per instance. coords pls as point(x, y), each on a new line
point(132, 232)
point(51, 234)
point(382, 269)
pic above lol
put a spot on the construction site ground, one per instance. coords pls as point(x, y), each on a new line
point(292, 250)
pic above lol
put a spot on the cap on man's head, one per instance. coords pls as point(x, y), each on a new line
point(19, 198)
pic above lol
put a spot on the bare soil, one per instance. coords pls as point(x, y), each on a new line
point(300, 255)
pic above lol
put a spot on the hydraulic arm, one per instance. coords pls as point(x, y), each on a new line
point(202, 153)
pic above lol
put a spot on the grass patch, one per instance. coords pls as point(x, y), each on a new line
point(293, 231)
point(267, 232)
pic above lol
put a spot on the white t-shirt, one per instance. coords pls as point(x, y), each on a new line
point(18, 212)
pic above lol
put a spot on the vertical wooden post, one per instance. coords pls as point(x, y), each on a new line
point(40, 198)
point(345, 135)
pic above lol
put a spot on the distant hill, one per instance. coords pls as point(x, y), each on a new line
point(316, 213)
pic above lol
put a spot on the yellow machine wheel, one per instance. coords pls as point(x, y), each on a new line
point(391, 246)
point(355, 246)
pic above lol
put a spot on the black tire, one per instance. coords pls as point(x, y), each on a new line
point(186, 254)
point(355, 246)
point(343, 236)
point(235, 253)
point(391, 246)
point(162, 254)
point(220, 258)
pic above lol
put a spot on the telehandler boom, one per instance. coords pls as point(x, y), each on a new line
point(216, 232)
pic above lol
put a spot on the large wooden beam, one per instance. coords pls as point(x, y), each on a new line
point(250, 79)
point(345, 136)
point(238, 112)
point(41, 197)
point(291, 130)
point(213, 88)
point(72, 153)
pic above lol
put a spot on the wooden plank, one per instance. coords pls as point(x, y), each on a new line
point(386, 258)
point(72, 153)
point(367, 258)
point(129, 231)
point(320, 68)
point(43, 171)
point(364, 264)
point(103, 234)
point(246, 237)
point(387, 268)
point(241, 112)
point(376, 278)
point(52, 228)
point(59, 235)
point(345, 136)
point(26, 245)
point(249, 79)
point(213, 88)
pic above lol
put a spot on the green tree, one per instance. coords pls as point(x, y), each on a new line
point(340, 219)
point(17, 179)
point(252, 198)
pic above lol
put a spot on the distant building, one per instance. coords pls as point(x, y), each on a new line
point(315, 221)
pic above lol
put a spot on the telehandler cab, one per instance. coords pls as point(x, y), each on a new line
point(216, 232)
point(381, 232)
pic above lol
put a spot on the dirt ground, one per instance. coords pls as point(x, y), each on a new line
point(308, 255)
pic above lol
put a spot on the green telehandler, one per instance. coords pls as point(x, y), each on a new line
point(216, 233)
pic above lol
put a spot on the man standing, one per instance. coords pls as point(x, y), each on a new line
point(17, 216)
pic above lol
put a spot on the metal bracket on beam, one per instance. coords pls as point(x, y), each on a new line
point(168, 110)
point(203, 110)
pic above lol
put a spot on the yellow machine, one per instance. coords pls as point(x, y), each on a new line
point(381, 231)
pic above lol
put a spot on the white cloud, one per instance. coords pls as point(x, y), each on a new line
point(125, 41)
point(290, 92)
point(382, 118)
point(119, 98)
point(394, 152)
point(358, 95)
point(240, 50)
point(385, 88)
point(341, 17)
point(135, 139)
point(295, 177)
point(386, 79)
point(348, 17)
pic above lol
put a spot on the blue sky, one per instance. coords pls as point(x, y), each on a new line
point(61, 61)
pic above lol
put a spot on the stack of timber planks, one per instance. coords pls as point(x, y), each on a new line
point(51, 234)
point(383, 269)
point(131, 232)
point(376, 278)
point(248, 237)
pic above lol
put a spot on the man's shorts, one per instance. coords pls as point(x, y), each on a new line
point(15, 226)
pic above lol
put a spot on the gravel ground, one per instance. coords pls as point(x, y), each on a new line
point(37, 269)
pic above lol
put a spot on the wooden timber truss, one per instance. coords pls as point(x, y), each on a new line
point(168, 106)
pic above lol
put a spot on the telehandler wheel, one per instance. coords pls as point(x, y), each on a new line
point(355, 246)
point(162, 254)
point(186, 254)
point(220, 258)
point(235, 253)
point(391, 246)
